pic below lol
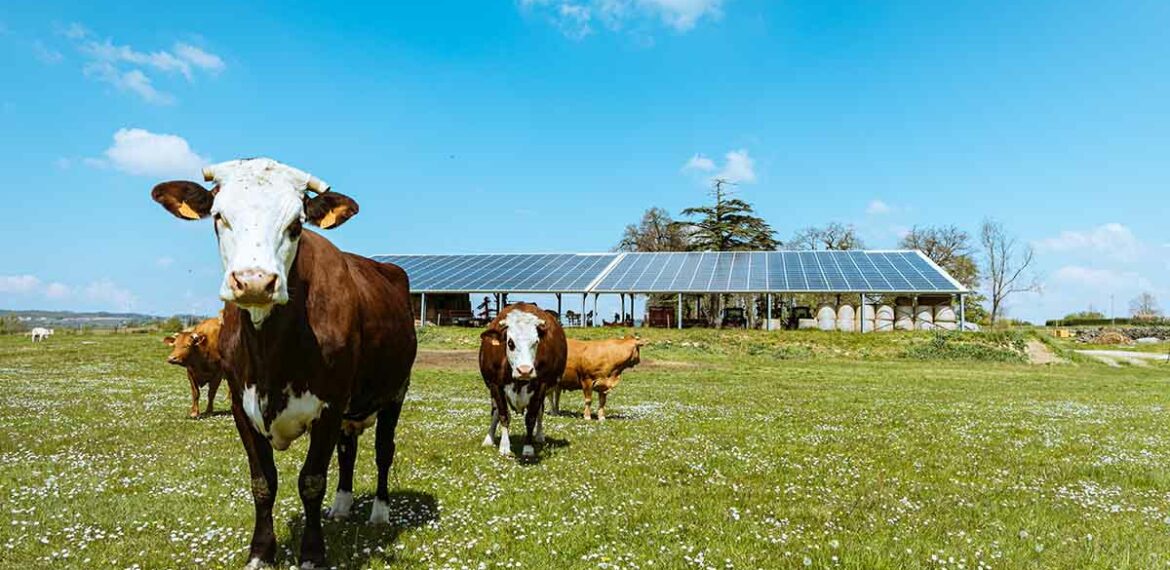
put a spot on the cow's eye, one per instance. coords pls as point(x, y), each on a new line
point(294, 229)
point(511, 345)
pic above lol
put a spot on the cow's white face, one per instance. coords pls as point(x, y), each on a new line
point(259, 206)
point(521, 339)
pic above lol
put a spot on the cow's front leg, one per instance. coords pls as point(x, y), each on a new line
point(490, 439)
point(311, 484)
point(531, 417)
point(601, 395)
point(587, 391)
point(212, 388)
point(347, 446)
point(262, 553)
point(505, 421)
point(194, 395)
point(556, 400)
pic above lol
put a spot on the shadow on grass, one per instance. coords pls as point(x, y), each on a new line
point(354, 541)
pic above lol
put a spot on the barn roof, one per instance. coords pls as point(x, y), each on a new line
point(869, 272)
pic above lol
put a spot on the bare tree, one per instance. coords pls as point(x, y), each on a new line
point(1145, 306)
point(657, 231)
point(1006, 266)
point(834, 236)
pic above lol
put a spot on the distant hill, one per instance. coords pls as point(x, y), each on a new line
point(89, 320)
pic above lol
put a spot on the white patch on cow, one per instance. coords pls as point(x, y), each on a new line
point(290, 423)
point(488, 439)
point(529, 451)
point(342, 501)
point(380, 514)
point(256, 564)
point(357, 427)
point(505, 443)
point(256, 203)
point(518, 398)
point(522, 340)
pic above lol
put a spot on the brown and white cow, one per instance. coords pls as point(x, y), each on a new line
point(197, 350)
point(521, 355)
point(596, 365)
point(313, 339)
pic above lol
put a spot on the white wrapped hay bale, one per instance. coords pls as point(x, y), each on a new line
point(906, 324)
point(827, 317)
point(868, 313)
point(846, 316)
point(806, 324)
point(947, 325)
point(866, 326)
point(885, 313)
point(904, 312)
point(924, 314)
point(944, 314)
point(883, 326)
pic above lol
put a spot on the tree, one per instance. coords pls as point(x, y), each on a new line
point(1089, 314)
point(730, 224)
point(655, 232)
point(1145, 306)
point(951, 249)
point(834, 236)
point(1006, 266)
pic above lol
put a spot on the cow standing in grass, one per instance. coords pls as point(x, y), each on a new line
point(313, 339)
point(596, 366)
point(39, 334)
point(197, 350)
point(521, 356)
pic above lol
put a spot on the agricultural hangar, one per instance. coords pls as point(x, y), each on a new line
point(873, 290)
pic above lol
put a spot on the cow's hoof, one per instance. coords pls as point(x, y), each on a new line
point(600, 418)
point(310, 565)
point(539, 438)
point(257, 564)
point(529, 451)
point(380, 514)
point(487, 441)
point(193, 415)
point(342, 501)
point(506, 451)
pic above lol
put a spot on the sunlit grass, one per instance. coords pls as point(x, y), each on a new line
point(724, 450)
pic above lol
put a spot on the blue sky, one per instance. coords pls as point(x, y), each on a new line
point(547, 125)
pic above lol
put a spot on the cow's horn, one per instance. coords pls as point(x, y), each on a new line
point(208, 174)
point(317, 185)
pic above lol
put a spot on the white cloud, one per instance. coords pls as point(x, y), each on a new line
point(575, 17)
point(57, 291)
point(1102, 279)
point(123, 66)
point(143, 153)
point(738, 167)
point(109, 293)
point(46, 54)
point(164, 261)
point(699, 162)
point(63, 163)
point(1113, 239)
point(18, 283)
point(878, 207)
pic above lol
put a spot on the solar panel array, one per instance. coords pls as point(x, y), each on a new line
point(690, 272)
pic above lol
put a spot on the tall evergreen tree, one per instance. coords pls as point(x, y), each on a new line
point(730, 224)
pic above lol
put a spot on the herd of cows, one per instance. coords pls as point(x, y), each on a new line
point(313, 339)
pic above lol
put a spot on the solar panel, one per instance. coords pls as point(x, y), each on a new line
point(681, 272)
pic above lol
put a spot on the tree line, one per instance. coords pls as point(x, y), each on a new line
point(996, 268)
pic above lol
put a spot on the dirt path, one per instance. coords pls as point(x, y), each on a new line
point(1039, 353)
point(1115, 357)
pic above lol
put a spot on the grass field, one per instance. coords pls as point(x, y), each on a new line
point(723, 450)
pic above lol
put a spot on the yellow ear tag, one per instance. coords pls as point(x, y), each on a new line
point(329, 220)
point(187, 212)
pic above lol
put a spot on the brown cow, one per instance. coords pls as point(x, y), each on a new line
point(197, 350)
point(521, 355)
point(596, 365)
point(313, 339)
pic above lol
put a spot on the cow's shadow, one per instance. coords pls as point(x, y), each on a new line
point(354, 541)
point(549, 444)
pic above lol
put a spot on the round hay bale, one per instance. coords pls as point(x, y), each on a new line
point(944, 314)
point(885, 313)
point(924, 314)
point(947, 325)
point(882, 325)
point(924, 325)
point(826, 312)
point(806, 324)
point(868, 312)
point(906, 324)
point(903, 312)
point(866, 325)
point(846, 313)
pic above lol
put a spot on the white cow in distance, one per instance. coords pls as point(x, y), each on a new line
point(40, 333)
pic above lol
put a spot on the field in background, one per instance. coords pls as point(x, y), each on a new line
point(725, 449)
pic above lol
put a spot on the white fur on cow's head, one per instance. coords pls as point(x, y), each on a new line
point(522, 334)
point(259, 206)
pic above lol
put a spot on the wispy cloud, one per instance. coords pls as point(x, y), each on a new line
point(738, 167)
point(108, 293)
point(1113, 239)
point(143, 153)
point(126, 67)
point(18, 283)
point(878, 208)
point(578, 19)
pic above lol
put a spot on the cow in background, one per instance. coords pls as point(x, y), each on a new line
point(596, 365)
point(314, 340)
point(39, 334)
point(197, 350)
point(521, 356)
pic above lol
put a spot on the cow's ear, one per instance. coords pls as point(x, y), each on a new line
point(491, 336)
point(329, 210)
point(169, 340)
point(183, 199)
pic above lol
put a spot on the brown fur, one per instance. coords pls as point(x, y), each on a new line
point(496, 372)
point(596, 365)
point(197, 350)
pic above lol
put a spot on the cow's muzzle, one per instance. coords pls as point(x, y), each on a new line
point(524, 372)
point(252, 286)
